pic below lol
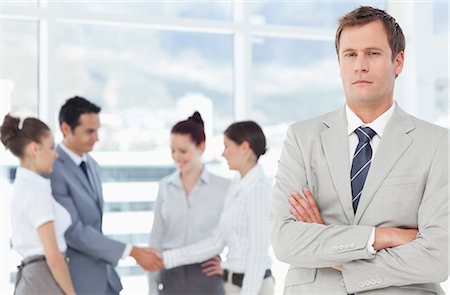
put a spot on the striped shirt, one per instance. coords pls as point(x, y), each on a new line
point(243, 228)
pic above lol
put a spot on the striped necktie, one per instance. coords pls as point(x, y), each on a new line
point(361, 163)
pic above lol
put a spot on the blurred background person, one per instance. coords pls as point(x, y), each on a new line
point(188, 207)
point(76, 184)
point(243, 226)
point(38, 221)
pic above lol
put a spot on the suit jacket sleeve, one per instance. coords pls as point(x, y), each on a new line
point(303, 244)
point(423, 260)
point(80, 236)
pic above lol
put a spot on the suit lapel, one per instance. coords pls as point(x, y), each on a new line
point(393, 145)
point(96, 184)
point(335, 146)
point(79, 175)
point(74, 169)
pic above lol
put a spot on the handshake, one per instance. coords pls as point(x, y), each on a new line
point(148, 258)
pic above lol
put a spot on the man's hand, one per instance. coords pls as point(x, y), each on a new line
point(390, 237)
point(212, 267)
point(305, 210)
point(148, 258)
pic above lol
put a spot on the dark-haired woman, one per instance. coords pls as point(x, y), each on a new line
point(243, 226)
point(38, 221)
point(187, 210)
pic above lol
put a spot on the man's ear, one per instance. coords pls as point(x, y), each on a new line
point(65, 129)
point(398, 63)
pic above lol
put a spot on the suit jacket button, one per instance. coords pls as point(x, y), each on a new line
point(367, 283)
point(373, 282)
point(379, 280)
point(341, 247)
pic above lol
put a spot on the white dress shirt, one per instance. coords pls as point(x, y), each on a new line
point(77, 160)
point(378, 125)
point(243, 227)
point(32, 205)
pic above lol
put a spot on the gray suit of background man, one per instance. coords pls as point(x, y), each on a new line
point(92, 255)
point(392, 236)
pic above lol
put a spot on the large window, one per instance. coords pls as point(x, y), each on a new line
point(304, 13)
point(161, 10)
point(294, 80)
point(143, 77)
point(19, 67)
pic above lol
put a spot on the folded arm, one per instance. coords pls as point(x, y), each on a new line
point(309, 244)
point(406, 256)
point(423, 260)
point(305, 209)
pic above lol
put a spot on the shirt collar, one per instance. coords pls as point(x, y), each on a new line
point(378, 125)
point(31, 176)
point(251, 176)
point(75, 158)
point(175, 177)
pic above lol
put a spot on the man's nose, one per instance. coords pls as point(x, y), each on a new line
point(361, 64)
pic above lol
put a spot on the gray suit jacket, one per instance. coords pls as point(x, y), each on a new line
point(92, 255)
point(407, 187)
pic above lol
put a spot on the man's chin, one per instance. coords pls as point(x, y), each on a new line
point(89, 149)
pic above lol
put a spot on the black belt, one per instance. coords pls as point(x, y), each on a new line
point(238, 278)
point(25, 262)
point(35, 258)
point(31, 260)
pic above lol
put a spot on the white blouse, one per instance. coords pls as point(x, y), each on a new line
point(32, 205)
point(181, 220)
point(243, 228)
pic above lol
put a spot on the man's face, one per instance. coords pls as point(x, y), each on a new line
point(82, 139)
point(367, 69)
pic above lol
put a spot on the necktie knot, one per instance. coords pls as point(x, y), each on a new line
point(365, 134)
point(84, 168)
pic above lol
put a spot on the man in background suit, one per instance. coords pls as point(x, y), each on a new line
point(373, 215)
point(76, 184)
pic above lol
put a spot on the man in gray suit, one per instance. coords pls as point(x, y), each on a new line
point(374, 219)
point(76, 185)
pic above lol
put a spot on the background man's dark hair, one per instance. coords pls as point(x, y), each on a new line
point(73, 108)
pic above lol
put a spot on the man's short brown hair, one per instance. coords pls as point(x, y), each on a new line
point(366, 14)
